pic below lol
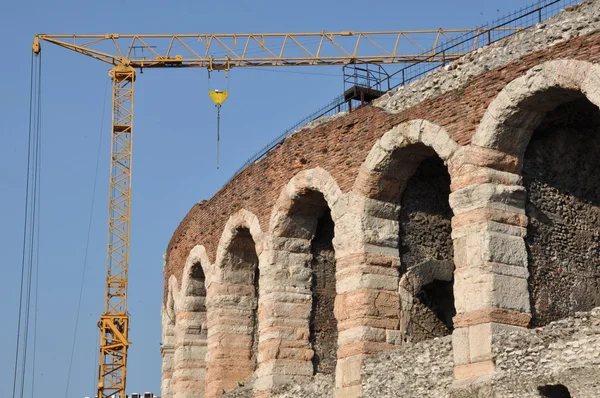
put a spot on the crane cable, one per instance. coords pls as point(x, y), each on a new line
point(218, 131)
point(87, 246)
point(37, 243)
point(218, 97)
point(30, 249)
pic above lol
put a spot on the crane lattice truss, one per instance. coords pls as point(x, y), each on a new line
point(128, 52)
point(225, 51)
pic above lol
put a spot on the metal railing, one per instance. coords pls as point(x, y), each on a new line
point(487, 34)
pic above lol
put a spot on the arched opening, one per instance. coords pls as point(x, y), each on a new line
point(425, 242)
point(561, 175)
point(197, 288)
point(233, 290)
point(310, 219)
point(323, 325)
point(438, 297)
point(241, 269)
point(190, 331)
point(554, 391)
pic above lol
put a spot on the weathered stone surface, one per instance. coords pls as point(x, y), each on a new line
point(564, 352)
point(563, 204)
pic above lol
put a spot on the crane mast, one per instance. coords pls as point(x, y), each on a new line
point(127, 53)
point(114, 322)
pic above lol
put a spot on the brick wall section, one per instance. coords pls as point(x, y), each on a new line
point(341, 145)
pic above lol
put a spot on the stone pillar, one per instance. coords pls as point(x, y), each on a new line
point(285, 354)
point(490, 285)
point(230, 323)
point(189, 367)
point(167, 351)
point(367, 303)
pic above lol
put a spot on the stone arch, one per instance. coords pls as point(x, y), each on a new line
point(241, 219)
point(233, 330)
point(312, 180)
point(369, 269)
point(519, 108)
point(403, 147)
point(197, 257)
point(298, 257)
point(412, 156)
point(489, 199)
point(549, 120)
point(191, 327)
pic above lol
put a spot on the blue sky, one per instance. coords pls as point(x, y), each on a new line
point(174, 151)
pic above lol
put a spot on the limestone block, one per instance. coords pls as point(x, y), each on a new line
point(474, 175)
point(469, 222)
point(478, 288)
point(362, 348)
point(437, 138)
point(381, 209)
point(348, 371)
point(394, 337)
point(395, 138)
point(509, 198)
point(473, 290)
point(461, 346)
point(388, 252)
point(296, 287)
point(369, 265)
point(280, 309)
point(505, 249)
point(367, 182)
point(511, 293)
point(480, 156)
point(278, 322)
point(229, 289)
point(480, 342)
point(516, 271)
point(362, 279)
point(590, 86)
point(381, 231)
point(231, 329)
point(413, 130)
point(243, 304)
point(390, 323)
point(286, 244)
point(361, 333)
point(378, 158)
point(468, 251)
point(284, 259)
point(238, 273)
point(285, 350)
point(284, 333)
point(303, 297)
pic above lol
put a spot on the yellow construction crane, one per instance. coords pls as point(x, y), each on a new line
point(127, 53)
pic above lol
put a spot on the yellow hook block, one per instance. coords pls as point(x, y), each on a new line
point(217, 96)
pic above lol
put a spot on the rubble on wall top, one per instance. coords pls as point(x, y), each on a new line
point(581, 19)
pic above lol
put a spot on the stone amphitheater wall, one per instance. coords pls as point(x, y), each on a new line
point(418, 209)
